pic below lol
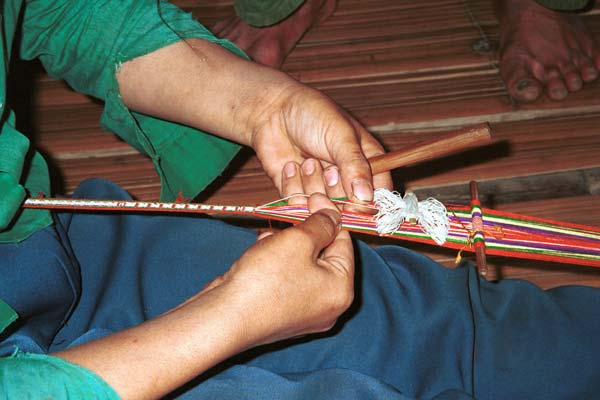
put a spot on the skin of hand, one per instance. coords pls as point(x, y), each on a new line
point(306, 124)
point(306, 275)
point(200, 84)
point(288, 284)
point(543, 50)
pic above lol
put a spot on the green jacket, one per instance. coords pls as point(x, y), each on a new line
point(85, 42)
point(565, 5)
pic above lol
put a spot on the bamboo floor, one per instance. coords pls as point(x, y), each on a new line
point(408, 71)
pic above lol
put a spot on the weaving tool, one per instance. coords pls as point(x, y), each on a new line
point(470, 228)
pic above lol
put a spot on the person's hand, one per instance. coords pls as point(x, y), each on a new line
point(288, 284)
point(303, 123)
point(12, 195)
point(204, 86)
point(296, 281)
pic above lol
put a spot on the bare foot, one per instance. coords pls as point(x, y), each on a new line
point(542, 50)
point(271, 45)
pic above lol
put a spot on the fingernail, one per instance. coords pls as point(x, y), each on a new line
point(289, 170)
point(362, 189)
point(308, 167)
point(523, 84)
point(332, 176)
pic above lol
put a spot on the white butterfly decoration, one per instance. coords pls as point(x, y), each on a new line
point(394, 209)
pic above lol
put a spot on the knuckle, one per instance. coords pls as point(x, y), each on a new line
point(325, 223)
point(340, 302)
point(300, 238)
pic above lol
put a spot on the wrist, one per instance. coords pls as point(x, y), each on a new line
point(264, 104)
point(229, 310)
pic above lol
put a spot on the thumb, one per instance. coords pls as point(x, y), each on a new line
point(11, 196)
point(355, 171)
point(339, 254)
point(321, 228)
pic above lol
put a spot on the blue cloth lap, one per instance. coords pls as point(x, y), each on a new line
point(415, 330)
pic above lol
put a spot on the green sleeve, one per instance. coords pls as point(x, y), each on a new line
point(20, 169)
point(36, 376)
point(85, 42)
point(7, 315)
point(564, 5)
point(265, 12)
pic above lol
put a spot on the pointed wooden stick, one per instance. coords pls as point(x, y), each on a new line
point(444, 145)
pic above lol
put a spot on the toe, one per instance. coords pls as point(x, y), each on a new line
point(587, 69)
point(520, 83)
point(555, 86)
point(597, 61)
point(572, 78)
point(524, 88)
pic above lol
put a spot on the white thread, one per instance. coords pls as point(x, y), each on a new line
point(394, 209)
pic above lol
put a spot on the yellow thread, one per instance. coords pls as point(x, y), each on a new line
point(458, 258)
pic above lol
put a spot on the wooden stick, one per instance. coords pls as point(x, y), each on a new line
point(478, 230)
point(444, 145)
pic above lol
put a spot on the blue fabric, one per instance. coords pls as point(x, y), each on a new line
point(415, 330)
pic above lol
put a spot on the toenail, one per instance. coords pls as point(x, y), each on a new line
point(523, 84)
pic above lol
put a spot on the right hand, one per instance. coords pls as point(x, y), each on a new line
point(12, 195)
point(296, 281)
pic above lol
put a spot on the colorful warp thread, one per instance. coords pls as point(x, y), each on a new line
point(506, 234)
point(477, 224)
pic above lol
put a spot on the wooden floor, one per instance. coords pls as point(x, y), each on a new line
point(408, 71)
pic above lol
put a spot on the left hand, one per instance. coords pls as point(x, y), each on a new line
point(303, 123)
point(204, 86)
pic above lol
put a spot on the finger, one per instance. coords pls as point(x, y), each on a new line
point(291, 183)
point(336, 191)
point(333, 184)
point(555, 86)
point(354, 169)
point(340, 253)
point(312, 176)
point(339, 256)
point(372, 148)
point(323, 225)
point(317, 202)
